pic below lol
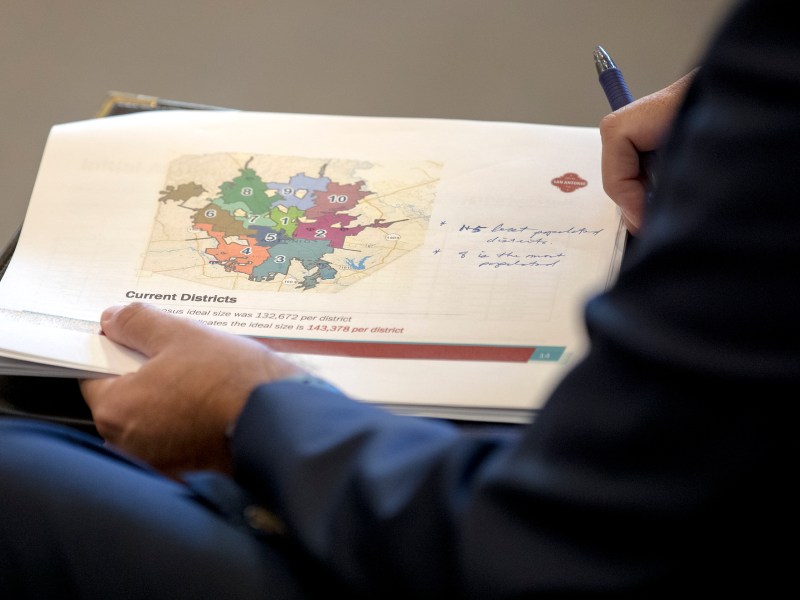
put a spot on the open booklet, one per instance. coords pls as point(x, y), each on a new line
point(437, 267)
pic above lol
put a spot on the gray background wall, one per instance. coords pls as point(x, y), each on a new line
point(514, 60)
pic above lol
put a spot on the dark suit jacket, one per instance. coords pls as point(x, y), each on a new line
point(663, 462)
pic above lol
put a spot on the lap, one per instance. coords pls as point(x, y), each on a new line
point(79, 520)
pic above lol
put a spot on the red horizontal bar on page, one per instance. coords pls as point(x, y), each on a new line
point(402, 350)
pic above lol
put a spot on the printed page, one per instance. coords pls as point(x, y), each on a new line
point(420, 262)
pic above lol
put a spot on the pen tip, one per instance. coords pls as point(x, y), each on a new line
point(600, 51)
point(602, 60)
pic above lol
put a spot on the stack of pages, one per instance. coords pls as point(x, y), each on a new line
point(436, 267)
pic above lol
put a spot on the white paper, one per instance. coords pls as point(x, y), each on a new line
point(407, 242)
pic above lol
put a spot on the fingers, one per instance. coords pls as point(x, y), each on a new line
point(94, 392)
point(629, 133)
point(96, 388)
point(621, 169)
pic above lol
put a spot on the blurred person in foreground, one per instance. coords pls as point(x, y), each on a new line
point(662, 463)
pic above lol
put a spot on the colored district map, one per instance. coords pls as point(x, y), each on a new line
point(280, 223)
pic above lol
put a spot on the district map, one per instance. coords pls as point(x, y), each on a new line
point(279, 223)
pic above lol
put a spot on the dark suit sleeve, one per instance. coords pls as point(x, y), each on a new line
point(662, 462)
point(376, 496)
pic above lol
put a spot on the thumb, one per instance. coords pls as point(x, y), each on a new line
point(141, 327)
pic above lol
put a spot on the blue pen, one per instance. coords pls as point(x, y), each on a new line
point(616, 90)
point(611, 79)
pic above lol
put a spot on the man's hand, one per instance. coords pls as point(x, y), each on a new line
point(175, 410)
point(633, 129)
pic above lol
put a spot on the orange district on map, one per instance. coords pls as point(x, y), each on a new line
point(401, 350)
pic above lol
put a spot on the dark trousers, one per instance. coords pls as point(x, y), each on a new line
point(78, 520)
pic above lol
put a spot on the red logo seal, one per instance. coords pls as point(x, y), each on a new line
point(568, 182)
